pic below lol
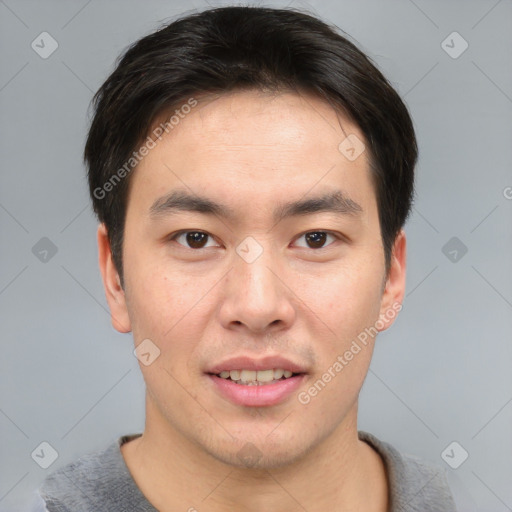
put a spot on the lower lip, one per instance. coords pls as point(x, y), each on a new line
point(259, 395)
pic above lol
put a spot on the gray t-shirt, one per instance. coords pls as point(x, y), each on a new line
point(101, 481)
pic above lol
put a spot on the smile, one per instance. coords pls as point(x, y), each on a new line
point(256, 378)
point(250, 392)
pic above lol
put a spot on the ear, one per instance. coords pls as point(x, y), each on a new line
point(112, 283)
point(394, 291)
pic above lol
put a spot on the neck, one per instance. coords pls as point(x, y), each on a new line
point(341, 473)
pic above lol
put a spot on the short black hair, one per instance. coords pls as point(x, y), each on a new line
point(227, 49)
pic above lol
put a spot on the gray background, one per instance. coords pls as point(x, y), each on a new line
point(442, 373)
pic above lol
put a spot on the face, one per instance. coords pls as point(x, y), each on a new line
point(255, 278)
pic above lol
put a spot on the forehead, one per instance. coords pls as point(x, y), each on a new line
point(256, 146)
point(262, 120)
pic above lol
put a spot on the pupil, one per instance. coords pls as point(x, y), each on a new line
point(317, 238)
point(194, 239)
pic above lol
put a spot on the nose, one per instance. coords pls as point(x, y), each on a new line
point(256, 295)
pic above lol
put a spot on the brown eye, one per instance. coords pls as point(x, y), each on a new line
point(192, 239)
point(316, 239)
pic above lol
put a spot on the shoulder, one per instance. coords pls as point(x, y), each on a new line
point(37, 504)
point(91, 482)
point(414, 485)
point(77, 485)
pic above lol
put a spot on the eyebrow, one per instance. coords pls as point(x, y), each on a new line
point(335, 202)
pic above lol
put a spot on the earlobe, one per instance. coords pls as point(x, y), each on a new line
point(112, 283)
point(394, 291)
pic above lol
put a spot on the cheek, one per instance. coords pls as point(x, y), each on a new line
point(157, 293)
point(346, 350)
point(348, 305)
point(349, 300)
point(160, 308)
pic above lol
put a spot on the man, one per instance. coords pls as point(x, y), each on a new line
point(252, 172)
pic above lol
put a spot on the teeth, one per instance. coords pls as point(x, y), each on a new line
point(278, 373)
point(253, 377)
point(265, 375)
point(247, 375)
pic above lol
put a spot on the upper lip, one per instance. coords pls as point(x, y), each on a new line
point(252, 363)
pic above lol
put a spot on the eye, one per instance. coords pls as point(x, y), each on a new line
point(198, 239)
point(193, 239)
point(316, 239)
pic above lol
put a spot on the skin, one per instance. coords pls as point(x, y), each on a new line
point(251, 151)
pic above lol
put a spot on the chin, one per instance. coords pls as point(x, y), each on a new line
point(259, 454)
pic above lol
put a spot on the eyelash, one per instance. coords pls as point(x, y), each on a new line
point(337, 236)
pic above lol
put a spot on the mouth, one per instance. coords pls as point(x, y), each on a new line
point(256, 382)
point(247, 377)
